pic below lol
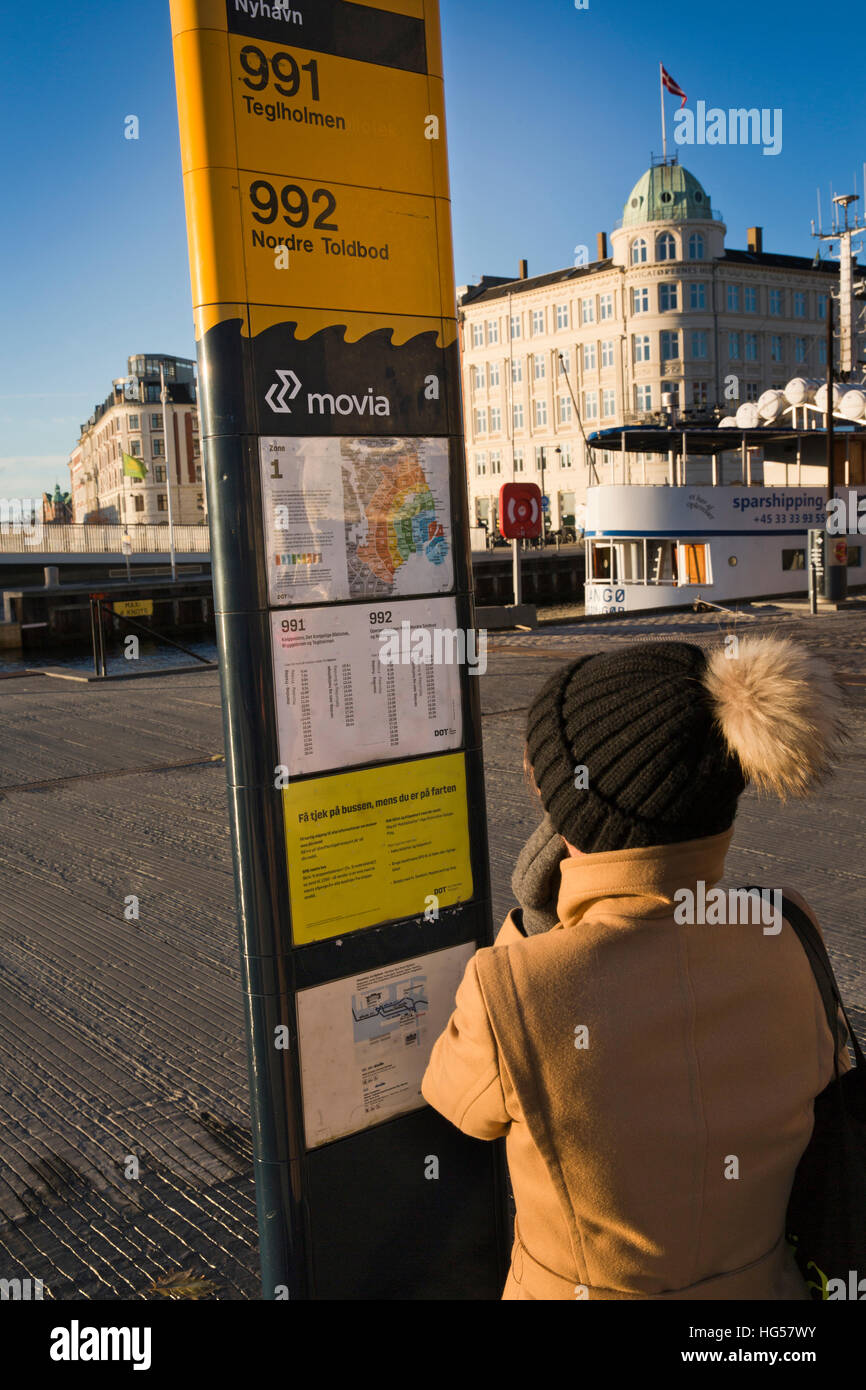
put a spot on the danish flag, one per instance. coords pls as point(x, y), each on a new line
point(671, 86)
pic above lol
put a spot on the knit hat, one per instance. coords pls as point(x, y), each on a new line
point(653, 744)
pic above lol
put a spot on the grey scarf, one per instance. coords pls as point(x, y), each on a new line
point(535, 880)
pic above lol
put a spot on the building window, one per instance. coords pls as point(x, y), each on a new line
point(733, 346)
point(159, 473)
point(822, 352)
point(492, 331)
point(638, 251)
point(667, 298)
point(517, 416)
point(495, 419)
point(565, 360)
point(132, 422)
point(751, 392)
point(800, 349)
point(799, 305)
point(519, 461)
point(540, 412)
point(157, 448)
point(493, 373)
point(590, 405)
point(608, 402)
point(587, 311)
point(516, 331)
point(156, 422)
point(538, 366)
point(640, 301)
point(697, 246)
point(698, 295)
point(641, 347)
point(751, 347)
point(198, 472)
point(775, 348)
point(643, 397)
point(565, 412)
point(605, 306)
point(496, 461)
point(161, 503)
point(666, 247)
point(822, 306)
point(733, 299)
point(196, 449)
point(699, 343)
point(478, 378)
point(562, 316)
point(537, 321)
point(480, 465)
point(607, 353)
point(776, 303)
point(138, 502)
point(589, 357)
point(566, 456)
point(670, 346)
point(699, 393)
point(516, 369)
point(481, 422)
point(135, 448)
point(477, 335)
point(750, 299)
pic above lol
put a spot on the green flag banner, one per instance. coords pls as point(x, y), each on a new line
point(133, 467)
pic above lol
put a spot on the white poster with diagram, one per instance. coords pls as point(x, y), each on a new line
point(357, 684)
point(365, 1041)
point(356, 518)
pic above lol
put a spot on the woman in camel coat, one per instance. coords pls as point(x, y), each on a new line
point(653, 1077)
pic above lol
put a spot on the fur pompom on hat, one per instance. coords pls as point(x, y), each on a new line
point(654, 743)
point(780, 711)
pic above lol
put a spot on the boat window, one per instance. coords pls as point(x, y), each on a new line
point(661, 562)
point(695, 564)
point(793, 559)
point(603, 562)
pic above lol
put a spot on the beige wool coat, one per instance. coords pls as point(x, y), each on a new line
point(656, 1160)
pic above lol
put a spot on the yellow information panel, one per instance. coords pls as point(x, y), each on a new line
point(134, 608)
point(376, 845)
point(318, 129)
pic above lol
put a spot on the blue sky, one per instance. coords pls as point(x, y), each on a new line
point(552, 114)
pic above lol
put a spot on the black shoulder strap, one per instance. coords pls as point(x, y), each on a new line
point(822, 969)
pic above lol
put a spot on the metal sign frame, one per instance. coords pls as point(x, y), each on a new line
point(292, 351)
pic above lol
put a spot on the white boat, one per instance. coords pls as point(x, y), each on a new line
point(714, 515)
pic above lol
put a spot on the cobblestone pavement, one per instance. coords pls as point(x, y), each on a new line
point(121, 1038)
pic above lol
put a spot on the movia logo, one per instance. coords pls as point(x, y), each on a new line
point(322, 402)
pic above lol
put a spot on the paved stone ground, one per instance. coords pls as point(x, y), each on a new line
point(126, 1037)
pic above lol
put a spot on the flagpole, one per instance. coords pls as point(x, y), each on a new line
point(662, 100)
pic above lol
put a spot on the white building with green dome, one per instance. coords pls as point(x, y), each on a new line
point(667, 318)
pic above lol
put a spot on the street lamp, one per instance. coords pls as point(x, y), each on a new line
point(544, 514)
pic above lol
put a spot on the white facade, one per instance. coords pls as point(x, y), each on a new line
point(101, 492)
point(670, 313)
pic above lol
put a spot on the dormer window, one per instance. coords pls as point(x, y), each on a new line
point(638, 251)
point(666, 247)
